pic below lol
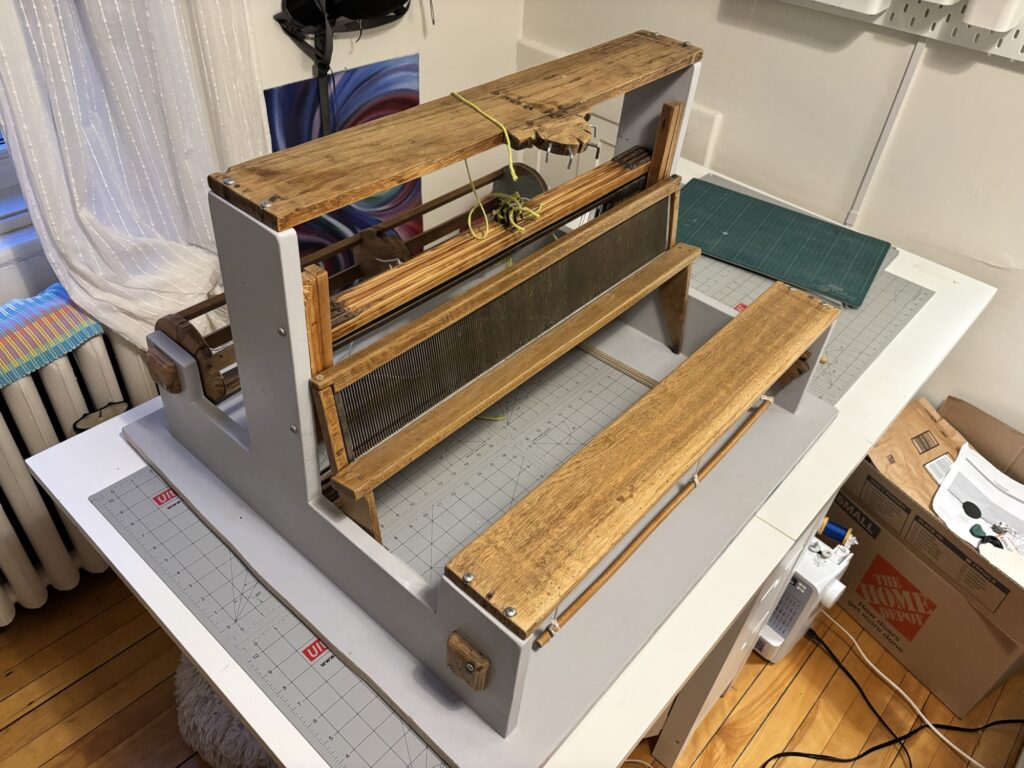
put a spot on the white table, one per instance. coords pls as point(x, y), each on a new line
point(74, 470)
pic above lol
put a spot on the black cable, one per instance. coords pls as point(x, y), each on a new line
point(890, 742)
point(815, 637)
point(883, 745)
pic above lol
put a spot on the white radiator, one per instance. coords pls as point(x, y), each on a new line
point(46, 561)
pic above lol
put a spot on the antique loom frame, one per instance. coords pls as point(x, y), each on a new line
point(487, 633)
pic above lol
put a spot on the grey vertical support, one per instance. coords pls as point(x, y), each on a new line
point(263, 286)
point(792, 394)
point(641, 109)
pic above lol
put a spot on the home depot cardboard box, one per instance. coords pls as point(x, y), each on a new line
point(952, 619)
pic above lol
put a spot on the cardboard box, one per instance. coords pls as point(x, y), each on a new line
point(896, 484)
point(919, 618)
point(953, 619)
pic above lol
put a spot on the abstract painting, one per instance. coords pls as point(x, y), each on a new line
point(357, 95)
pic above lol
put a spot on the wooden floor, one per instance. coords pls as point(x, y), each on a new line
point(804, 703)
point(88, 680)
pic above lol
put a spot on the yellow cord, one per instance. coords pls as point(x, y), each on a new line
point(513, 205)
point(480, 205)
point(497, 122)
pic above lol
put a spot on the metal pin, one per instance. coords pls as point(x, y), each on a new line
point(593, 131)
point(433, 20)
point(510, 611)
point(547, 153)
point(570, 159)
point(597, 149)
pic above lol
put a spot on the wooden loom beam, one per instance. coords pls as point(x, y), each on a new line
point(372, 357)
point(673, 295)
point(371, 469)
point(545, 103)
point(379, 295)
point(533, 557)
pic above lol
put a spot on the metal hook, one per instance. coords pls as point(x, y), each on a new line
point(547, 152)
point(570, 159)
point(597, 149)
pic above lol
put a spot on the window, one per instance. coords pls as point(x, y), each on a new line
point(13, 213)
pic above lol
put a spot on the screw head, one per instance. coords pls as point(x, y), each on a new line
point(293, 429)
point(319, 377)
point(228, 181)
point(470, 667)
point(266, 204)
point(467, 577)
point(282, 332)
point(510, 611)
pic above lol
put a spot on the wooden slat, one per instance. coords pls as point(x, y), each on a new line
point(372, 357)
point(156, 743)
point(53, 654)
point(377, 465)
point(62, 613)
point(362, 510)
point(100, 741)
point(94, 686)
point(795, 704)
point(383, 293)
point(669, 125)
point(674, 295)
point(317, 302)
point(130, 687)
point(94, 655)
point(311, 179)
point(539, 551)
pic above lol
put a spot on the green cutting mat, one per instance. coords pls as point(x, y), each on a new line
point(801, 250)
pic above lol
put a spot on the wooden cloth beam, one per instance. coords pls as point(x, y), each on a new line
point(533, 557)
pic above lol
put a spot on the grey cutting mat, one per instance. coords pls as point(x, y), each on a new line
point(341, 716)
point(447, 497)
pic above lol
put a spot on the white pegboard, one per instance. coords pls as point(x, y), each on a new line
point(934, 21)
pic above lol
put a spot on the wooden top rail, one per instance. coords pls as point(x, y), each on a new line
point(547, 102)
point(391, 456)
point(375, 297)
point(534, 556)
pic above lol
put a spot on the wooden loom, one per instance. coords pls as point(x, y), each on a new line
point(447, 333)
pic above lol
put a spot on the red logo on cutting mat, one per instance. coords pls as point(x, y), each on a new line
point(314, 650)
point(894, 598)
point(164, 496)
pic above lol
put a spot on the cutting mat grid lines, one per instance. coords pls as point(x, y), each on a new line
point(445, 499)
point(341, 716)
point(859, 335)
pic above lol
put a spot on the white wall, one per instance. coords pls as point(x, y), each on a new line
point(472, 42)
point(803, 96)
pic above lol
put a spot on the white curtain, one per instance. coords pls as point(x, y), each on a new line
point(116, 111)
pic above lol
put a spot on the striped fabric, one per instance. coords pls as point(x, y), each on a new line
point(36, 331)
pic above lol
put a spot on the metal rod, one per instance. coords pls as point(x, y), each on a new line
point(651, 526)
